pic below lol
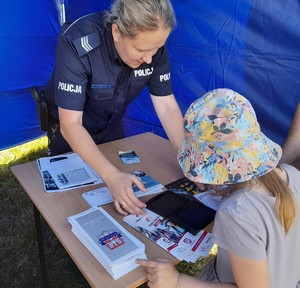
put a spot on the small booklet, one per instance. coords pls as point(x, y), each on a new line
point(65, 172)
point(101, 196)
point(109, 242)
point(172, 238)
point(129, 157)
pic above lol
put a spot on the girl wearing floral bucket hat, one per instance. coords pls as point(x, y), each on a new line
point(257, 226)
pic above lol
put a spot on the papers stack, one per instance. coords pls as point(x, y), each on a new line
point(65, 172)
point(109, 242)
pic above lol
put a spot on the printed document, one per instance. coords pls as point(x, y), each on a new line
point(64, 172)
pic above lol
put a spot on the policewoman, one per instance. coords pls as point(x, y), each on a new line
point(103, 61)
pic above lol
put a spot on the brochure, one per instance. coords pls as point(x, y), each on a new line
point(109, 242)
point(101, 196)
point(65, 172)
point(172, 238)
point(129, 157)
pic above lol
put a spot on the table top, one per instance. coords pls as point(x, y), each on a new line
point(158, 159)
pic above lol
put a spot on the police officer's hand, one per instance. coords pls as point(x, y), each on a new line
point(120, 186)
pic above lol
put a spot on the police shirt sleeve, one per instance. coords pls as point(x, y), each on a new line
point(160, 83)
point(70, 76)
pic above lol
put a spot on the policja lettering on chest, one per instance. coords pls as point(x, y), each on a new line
point(143, 72)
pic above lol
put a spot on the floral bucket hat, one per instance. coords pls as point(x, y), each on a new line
point(223, 143)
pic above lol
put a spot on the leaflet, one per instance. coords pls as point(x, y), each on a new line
point(65, 172)
point(172, 238)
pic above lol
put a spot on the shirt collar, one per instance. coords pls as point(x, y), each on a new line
point(112, 51)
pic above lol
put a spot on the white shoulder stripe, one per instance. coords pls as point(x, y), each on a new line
point(85, 44)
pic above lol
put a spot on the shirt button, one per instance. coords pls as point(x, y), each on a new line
point(116, 111)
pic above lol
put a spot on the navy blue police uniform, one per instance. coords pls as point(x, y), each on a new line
point(89, 76)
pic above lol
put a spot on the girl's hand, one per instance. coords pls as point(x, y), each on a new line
point(160, 273)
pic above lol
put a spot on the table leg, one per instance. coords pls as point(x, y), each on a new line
point(40, 241)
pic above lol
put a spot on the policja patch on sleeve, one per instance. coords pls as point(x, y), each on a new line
point(86, 43)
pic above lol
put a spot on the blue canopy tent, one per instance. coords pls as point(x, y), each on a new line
point(249, 46)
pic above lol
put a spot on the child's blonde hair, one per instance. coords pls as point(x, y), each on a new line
point(285, 202)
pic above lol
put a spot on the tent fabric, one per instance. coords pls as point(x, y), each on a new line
point(28, 35)
point(248, 46)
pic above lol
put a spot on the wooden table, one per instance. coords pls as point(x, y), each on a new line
point(158, 159)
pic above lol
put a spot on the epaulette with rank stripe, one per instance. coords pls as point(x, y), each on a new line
point(86, 43)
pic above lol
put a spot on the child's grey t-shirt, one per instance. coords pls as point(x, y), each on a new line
point(247, 225)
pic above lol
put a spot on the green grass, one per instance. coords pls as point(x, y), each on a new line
point(19, 265)
point(19, 259)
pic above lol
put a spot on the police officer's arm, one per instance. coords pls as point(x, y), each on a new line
point(118, 182)
point(170, 117)
point(291, 147)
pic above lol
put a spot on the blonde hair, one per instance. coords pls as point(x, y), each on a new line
point(285, 205)
point(286, 209)
point(134, 16)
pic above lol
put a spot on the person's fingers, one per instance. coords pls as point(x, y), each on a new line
point(128, 206)
point(146, 263)
point(119, 208)
point(139, 184)
point(132, 208)
point(163, 260)
point(151, 263)
point(160, 272)
point(132, 203)
point(125, 200)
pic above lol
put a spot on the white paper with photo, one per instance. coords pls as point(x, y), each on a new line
point(196, 245)
point(65, 172)
point(172, 238)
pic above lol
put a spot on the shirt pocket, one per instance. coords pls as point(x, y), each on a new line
point(101, 92)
